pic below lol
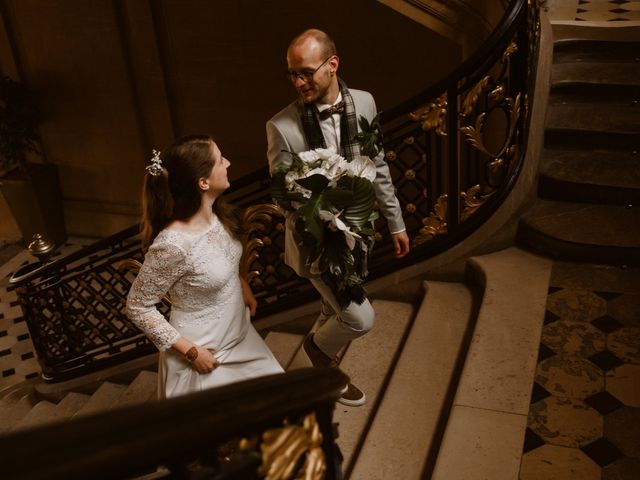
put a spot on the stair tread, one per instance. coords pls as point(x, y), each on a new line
point(599, 167)
point(41, 413)
point(368, 371)
point(596, 73)
point(590, 224)
point(494, 393)
point(572, 50)
point(15, 412)
point(103, 399)
point(143, 389)
point(284, 346)
point(416, 389)
point(592, 117)
point(70, 404)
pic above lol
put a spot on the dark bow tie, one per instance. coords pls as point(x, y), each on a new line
point(337, 108)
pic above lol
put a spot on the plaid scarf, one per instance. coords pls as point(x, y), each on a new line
point(349, 146)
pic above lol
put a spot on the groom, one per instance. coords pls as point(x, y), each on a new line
point(326, 115)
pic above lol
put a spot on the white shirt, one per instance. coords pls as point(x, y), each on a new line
point(330, 126)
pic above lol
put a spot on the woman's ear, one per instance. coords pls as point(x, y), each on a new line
point(203, 184)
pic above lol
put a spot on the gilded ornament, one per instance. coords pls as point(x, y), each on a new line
point(255, 220)
point(410, 174)
point(472, 199)
point(410, 208)
point(409, 140)
point(498, 93)
point(391, 155)
point(472, 97)
point(283, 448)
point(435, 224)
point(510, 50)
point(433, 116)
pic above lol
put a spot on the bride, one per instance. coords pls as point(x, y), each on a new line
point(194, 255)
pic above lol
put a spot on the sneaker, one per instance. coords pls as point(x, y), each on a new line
point(352, 396)
point(318, 357)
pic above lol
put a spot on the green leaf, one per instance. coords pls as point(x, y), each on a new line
point(316, 183)
point(370, 136)
point(358, 212)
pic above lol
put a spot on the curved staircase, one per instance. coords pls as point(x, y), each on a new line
point(589, 187)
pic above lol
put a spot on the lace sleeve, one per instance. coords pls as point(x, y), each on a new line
point(163, 265)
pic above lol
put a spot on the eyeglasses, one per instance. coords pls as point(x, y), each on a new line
point(306, 75)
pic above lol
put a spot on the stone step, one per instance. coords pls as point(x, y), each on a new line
point(70, 405)
point(596, 73)
point(14, 408)
point(369, 362)
point(485, 430)
point(592, 176)
point(608, 234)
point(576, 50)
point(105, 398)
point(407, 425)
point(592, 117)
point(41, 413)
point(284, 346)
point(143, 389)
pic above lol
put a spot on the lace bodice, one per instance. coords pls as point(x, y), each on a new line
point(200, 273)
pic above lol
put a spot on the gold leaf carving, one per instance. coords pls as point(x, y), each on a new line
point(510, 50)
point(435, 224)
point(282, 448)
point(472, 200)
point(433, 116)
point(255, 220)
point(472, 97)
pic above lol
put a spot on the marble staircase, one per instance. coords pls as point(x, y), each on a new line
point(589, 184)
point(435, 372)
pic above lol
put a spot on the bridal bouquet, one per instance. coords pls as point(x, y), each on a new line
point(334, 200)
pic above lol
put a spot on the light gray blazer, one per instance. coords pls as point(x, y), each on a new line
point(284, 132)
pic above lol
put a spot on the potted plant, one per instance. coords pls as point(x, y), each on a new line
point(28, 182)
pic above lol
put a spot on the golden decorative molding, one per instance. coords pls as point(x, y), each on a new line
point(435, 224)
point(434, 116)
point(255, 219)
point(391, 155)
point(282, 449)
point(410, 174)
point(472, 97)
point(410, 208)
point(473, 134)
point(472, 200)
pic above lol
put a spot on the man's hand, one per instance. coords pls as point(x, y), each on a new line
point(400, 243)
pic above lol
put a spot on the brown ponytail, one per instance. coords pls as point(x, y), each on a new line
point(174, 194)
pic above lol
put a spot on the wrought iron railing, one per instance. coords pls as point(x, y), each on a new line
point(454, 152)
point(275, 427)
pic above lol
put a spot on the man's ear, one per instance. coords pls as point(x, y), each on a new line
point(334, 63)
point(203, 184)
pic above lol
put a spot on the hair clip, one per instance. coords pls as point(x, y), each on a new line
point(155, 168)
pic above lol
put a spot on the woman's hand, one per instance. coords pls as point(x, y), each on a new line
point(200, 358)
point(249, 299)
point(205, 362)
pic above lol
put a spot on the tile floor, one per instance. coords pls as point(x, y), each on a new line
point(584, 419)
point(594, 10)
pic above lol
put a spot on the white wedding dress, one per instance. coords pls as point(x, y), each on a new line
point(200, 273)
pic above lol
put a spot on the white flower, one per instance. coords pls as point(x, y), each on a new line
point(290, 179)
point(336, 224)
point(309, 156)
point(362, 167)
